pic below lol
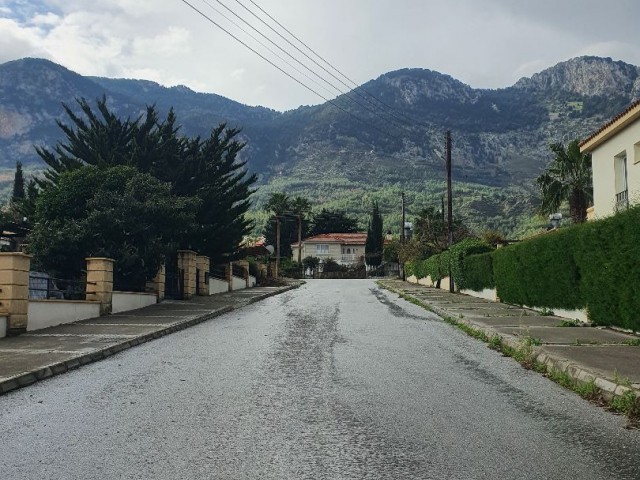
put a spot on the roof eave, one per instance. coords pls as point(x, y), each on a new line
point(613, 128)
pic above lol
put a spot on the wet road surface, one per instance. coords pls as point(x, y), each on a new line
point(335, 380)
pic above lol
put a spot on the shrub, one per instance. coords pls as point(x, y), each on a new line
point(540, 272)
point(609, 257)
point(478, 272)
point(457, 254)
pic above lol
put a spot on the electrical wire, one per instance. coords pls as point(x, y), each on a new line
point(334, 104)
point(392, 110)
point(347, 94)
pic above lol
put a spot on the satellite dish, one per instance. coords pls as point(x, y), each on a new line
point(270, 249)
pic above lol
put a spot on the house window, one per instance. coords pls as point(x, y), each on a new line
point(620, 169)
point(322, 249)
point(348, 251)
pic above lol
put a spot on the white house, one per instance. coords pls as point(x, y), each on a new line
point(615, 156)
point(344, 248)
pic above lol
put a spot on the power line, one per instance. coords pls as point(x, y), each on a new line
point(357, 87)
point(338, 89)
point(391, 114)
point(285, 72)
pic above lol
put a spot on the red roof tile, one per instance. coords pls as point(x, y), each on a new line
point(342, 238)
point(610, 122)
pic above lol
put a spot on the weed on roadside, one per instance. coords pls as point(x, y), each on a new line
point(569, 323)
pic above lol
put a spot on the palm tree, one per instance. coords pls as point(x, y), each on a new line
point(278, 204)
point(568, 178)
point(300, 207)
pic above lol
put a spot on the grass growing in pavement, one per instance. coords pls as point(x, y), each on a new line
point(524, 353)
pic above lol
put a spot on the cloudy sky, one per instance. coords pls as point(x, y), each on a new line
point(484, 43)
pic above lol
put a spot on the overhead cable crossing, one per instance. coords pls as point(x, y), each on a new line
point(348, 94)
point(391, 110)
point(331, 102)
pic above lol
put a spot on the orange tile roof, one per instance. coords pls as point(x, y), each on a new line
point(610, 123)
point(342, 238)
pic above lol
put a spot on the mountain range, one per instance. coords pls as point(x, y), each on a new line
point(384, 137)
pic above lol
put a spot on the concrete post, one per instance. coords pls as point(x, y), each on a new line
point(14, 290)
point(157, 284)
point(187, 263)
point(100, 282)
point(203, 265)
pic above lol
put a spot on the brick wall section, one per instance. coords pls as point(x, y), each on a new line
point(100, 282)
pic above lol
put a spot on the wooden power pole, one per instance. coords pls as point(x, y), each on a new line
point(449, 201)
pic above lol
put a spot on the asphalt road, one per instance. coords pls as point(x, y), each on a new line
point(335, 380)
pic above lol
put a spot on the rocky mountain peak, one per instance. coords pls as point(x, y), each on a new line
point(588, 76)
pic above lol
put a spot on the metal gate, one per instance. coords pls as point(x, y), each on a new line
point(174, 280)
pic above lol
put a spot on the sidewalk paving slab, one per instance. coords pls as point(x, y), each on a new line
point(40, 354)
point(584, 352)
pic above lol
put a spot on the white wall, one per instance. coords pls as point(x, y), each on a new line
point(252, 281)
point(217, 286)
point(48, 313)
point(3, 327)
point(487, 294)
point(238, 283)
point(604, 181)
point(125, 301)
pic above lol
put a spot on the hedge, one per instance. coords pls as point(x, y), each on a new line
point(458, 252)
point(478, 272)
point(540, 272)
point(609, 259)
point(595, 266)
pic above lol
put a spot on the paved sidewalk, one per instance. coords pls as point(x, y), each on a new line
point(40, 354)
point(610, 358)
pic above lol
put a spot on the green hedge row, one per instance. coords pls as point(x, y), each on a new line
point(438, 266)
point(478, 272)
point(594, 266)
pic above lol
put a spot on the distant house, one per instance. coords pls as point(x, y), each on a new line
point(615, 156)
point(344, 248)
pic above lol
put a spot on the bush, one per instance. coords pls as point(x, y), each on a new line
point(478, 272)
point(458, 252)
point(609, 259)
point(540, 272)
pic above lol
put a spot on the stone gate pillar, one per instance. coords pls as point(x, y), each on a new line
point(14, 290)
point(187, 263)
point(100, 282)
point(203, 265)
point(157, 284)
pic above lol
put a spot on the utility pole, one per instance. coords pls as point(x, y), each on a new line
point(402, 235)
point(449, 202)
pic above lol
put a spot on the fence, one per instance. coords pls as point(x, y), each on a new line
point(44, 287)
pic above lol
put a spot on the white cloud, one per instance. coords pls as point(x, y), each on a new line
point(487, 44)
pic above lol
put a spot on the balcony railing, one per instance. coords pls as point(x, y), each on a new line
point(622, 200)
point(346, 257)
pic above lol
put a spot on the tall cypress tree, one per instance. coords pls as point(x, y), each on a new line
point(375, 240)
point(18, 184)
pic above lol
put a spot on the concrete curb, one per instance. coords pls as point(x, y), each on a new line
point(577, 372)
point(56, 368)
